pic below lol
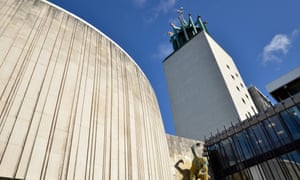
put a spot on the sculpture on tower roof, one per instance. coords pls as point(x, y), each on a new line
point(186, 31)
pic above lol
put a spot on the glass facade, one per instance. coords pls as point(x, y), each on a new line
point(263, 147)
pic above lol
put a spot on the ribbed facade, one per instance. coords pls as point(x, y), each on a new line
point(73, 104)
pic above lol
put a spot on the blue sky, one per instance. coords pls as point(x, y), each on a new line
point(263, 37)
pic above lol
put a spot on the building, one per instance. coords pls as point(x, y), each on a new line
point(262, 103)
point(73, 104)
point(263, 147)
point(205, 87)
point(285, 86)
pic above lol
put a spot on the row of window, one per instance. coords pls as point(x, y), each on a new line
point(282, 167)
point(236, 74)
point(269, 134)
point(240, 85)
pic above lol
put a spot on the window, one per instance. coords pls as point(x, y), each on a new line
point(247, 96)
point(276, 131)
point(291, 117)
point(228, 67)
point(242, 85)
point(232, 76)
point(243, 100)
point(237, 88)
point(249, 114)
point(236, 74)
point(253, 109)
point(259, 139)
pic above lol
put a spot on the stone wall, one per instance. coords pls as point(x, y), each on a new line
point(180, 149)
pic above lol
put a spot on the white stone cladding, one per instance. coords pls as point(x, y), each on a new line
point(180, 149)
point(237, 89)
point(73, 104)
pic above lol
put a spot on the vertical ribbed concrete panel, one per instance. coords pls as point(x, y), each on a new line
point(73, 105)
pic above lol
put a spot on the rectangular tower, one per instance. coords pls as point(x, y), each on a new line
point(205, 87)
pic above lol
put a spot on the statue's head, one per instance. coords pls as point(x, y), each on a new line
point(196, 149)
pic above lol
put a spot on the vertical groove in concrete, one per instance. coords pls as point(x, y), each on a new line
point(73, 105)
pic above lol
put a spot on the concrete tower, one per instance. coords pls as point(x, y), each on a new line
point(73, 104)
point(205, 87)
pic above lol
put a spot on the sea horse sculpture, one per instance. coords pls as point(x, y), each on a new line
point(199, 169)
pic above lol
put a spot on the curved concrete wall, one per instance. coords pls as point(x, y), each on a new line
point(73, 105)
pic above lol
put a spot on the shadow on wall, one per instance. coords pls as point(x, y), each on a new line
point(184, 172)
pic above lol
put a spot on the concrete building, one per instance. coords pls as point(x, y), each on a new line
point(73, 104)
point(285, 86)
point(205, 87)
point(262, 103)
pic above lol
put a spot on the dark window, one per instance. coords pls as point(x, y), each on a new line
point(259, 140)
point(276, 131)
point(253, 109)
point(243, 100)
point(291, 117)
point(249, 114)
point(243, 146)
point(229, 151)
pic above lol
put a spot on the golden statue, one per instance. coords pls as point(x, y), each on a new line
point(199, 169)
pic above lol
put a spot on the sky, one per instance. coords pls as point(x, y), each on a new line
point(262, 36)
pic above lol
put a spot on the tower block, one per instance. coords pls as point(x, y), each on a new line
point(205, 87)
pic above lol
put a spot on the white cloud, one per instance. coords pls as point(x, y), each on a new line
point(139, 2)
point(163, 51)
point(279, 46)
point(164, 6)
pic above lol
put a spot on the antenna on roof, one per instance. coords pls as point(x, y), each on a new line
point(180, 16)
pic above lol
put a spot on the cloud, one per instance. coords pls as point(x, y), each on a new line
point(163, 51)
point(279, 46)
point(164, 6)
point(139, 2)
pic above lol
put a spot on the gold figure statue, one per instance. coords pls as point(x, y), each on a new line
point(199, 169)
